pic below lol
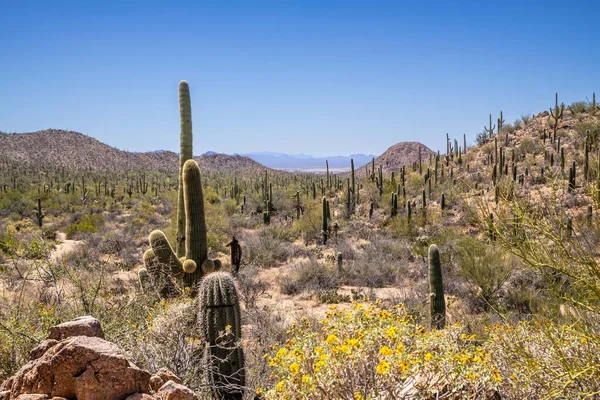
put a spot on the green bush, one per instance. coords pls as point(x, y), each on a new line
point(88, 223)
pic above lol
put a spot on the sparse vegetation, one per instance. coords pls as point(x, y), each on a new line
point(495, 294)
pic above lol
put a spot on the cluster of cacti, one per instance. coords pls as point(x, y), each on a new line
point(221, 331)
point(437, 303)
point(190, 262)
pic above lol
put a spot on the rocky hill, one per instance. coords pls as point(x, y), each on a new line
point(54, 148)
point(403, 153)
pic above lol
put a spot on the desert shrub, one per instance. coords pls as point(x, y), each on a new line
point(309, 276)
point(87, 223)
point(484, 266)
point(526, 119)
point(267, 248)
point(37, 249)
point(171, 339)
point(368, 352)
point(230, 207)
point(310, 224)
point(577, 107)
point(481, 138)
point(250, 287)
point(378, 264)
point(543, 359)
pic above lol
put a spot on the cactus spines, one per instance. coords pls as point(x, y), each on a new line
point(325, 215)
point(196, 247)
point(159, 275)
point(437, 303)
point(164, 254)
point(185, 153)
point(39, 214)
point(143, 278)
point(195, 230)
point(221, 330)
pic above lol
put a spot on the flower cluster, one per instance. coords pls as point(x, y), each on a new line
point(371, 352)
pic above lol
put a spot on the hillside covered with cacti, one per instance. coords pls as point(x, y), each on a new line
point(56, 149)
point(472, 273)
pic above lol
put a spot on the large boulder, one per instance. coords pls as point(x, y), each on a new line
point(77, 363)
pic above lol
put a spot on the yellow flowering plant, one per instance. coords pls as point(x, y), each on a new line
point(368, 352)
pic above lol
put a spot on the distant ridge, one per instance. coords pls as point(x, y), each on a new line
point(56, 148)
point(306, 162)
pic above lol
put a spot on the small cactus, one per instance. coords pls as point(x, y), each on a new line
point(221, 330)
point(437, 303)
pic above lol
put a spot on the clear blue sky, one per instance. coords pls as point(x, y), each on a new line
point(319, 77)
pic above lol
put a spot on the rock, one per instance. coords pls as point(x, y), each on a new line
point(81, 367)
point(175, 391)
point(156, 382)
point(77, 363)
point(41, 348)
point(141, 396)
point(168, 375)
point(82, 326)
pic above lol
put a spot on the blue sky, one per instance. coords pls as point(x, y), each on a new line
point(318, 77)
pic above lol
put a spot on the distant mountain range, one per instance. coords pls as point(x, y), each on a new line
point(55, 148)
point(304, 162)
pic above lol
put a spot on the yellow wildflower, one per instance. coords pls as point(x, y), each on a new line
point(294, 368)
point(386, 351)
point(428, 356)
point(279, 386)
point(383, 367)
point(281, 353)
point(305, 378)
point(404, 366)
point(331, 339)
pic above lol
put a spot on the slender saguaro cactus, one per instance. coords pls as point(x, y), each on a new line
point(325, 215)
point(437, 303)
point(39, 214)
point(556, 114)
point(185, 153)
point(221, 330)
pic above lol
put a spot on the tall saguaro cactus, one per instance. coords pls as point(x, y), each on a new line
point(221, 329)
point(437, 303)
point(324, 220)
point(185, 153)
point(189, 264)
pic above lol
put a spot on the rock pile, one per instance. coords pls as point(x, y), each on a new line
point(75, 362)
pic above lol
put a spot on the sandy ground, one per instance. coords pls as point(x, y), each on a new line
point(64, 247)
